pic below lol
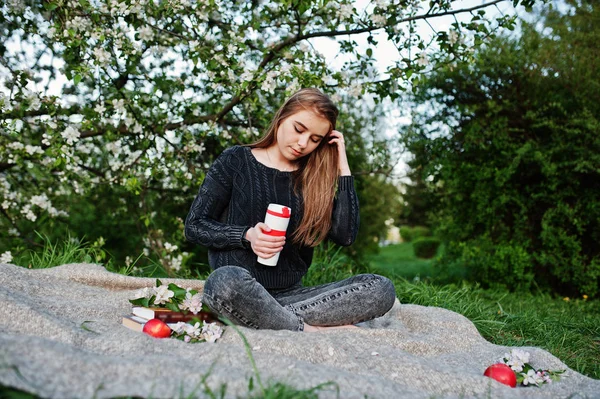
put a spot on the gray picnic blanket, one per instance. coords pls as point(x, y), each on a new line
point(61, 337)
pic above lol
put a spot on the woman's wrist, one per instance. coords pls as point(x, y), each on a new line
point(246, 239)
point(344, 166)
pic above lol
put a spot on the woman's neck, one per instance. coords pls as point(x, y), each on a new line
point(278, 161)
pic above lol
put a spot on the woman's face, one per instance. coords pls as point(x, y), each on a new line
point(300, 134)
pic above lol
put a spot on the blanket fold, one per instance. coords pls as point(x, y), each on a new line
point(62, 337)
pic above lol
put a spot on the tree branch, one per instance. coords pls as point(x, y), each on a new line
point(409, 19)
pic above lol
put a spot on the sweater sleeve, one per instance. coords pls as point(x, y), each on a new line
point(346, 218)
point(203, 224)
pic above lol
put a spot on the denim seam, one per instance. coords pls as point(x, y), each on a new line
point(336, 295)
point(292, 309)
point(231, 311)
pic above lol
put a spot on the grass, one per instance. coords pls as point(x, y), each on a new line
point(569, 329)
point(399, 261)
point(52, 254)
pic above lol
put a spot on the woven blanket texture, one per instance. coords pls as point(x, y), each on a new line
point(61, 337)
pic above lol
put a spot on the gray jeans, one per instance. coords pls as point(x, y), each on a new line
point(232, 292)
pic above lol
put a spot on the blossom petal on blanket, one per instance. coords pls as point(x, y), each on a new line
point(61, 336)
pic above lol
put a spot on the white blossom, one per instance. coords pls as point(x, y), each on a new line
point(211, 332)
point(16, 145)
point(193, 331)
point(247, 76)
point(41, 201)
point(6, 257)
point(355, 89)
point(378, 19)
point(179, 327)
point(516, 359)
point(28, 213)
point(13, 232)
point(143, 293)
point(33, 149)
point(330, 80)
point(194, 147)
point(193, 303)
point(119, 105)
point(102, 56)
point(163, 295)
point(452, 36)
point(345, 11)
point(100, 108)
point(293, 86)
point(176, 262)
point(70, 135)
point(146, 33)
point(137, 128)
point(170, 247)
point(46, 139)
point(34, 103)
point(269, 85)
point(137, 7)
point(532, 378)
point(422, 59)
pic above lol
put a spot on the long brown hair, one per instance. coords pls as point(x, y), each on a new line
point(318, 172)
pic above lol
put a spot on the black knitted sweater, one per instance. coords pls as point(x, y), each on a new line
point(234, 197)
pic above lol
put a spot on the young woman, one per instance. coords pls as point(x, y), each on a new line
point(300, 163)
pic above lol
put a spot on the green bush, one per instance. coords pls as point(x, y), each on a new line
point(406, 233)
point(420, 231)
point(506, 265)
point(426, 247)
point(514, 170)
point(409, 234)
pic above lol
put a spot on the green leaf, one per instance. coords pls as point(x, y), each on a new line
point(158, 283)
point(77, 79)
point(137, 301)
point(173, 307)
point(369, 52)
point(86, 328)
point(178, 291)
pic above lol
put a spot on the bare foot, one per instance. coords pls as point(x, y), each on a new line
point(309, 328)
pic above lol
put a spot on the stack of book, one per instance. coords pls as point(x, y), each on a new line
point(140, 315)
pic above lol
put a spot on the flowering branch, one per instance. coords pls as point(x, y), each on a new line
point(518, 361)
point(179, 299)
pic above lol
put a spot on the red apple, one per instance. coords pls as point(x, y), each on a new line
point(157, 329)
point(502, 373)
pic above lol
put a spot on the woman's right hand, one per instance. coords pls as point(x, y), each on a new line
point(263, 244)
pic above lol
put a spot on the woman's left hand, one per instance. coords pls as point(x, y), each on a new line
point(337, 138)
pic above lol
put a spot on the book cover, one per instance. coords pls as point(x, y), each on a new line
point(168, 316)
point(136, 323)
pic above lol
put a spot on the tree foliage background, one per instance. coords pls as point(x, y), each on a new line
point(112, 110)
point(509, 153)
